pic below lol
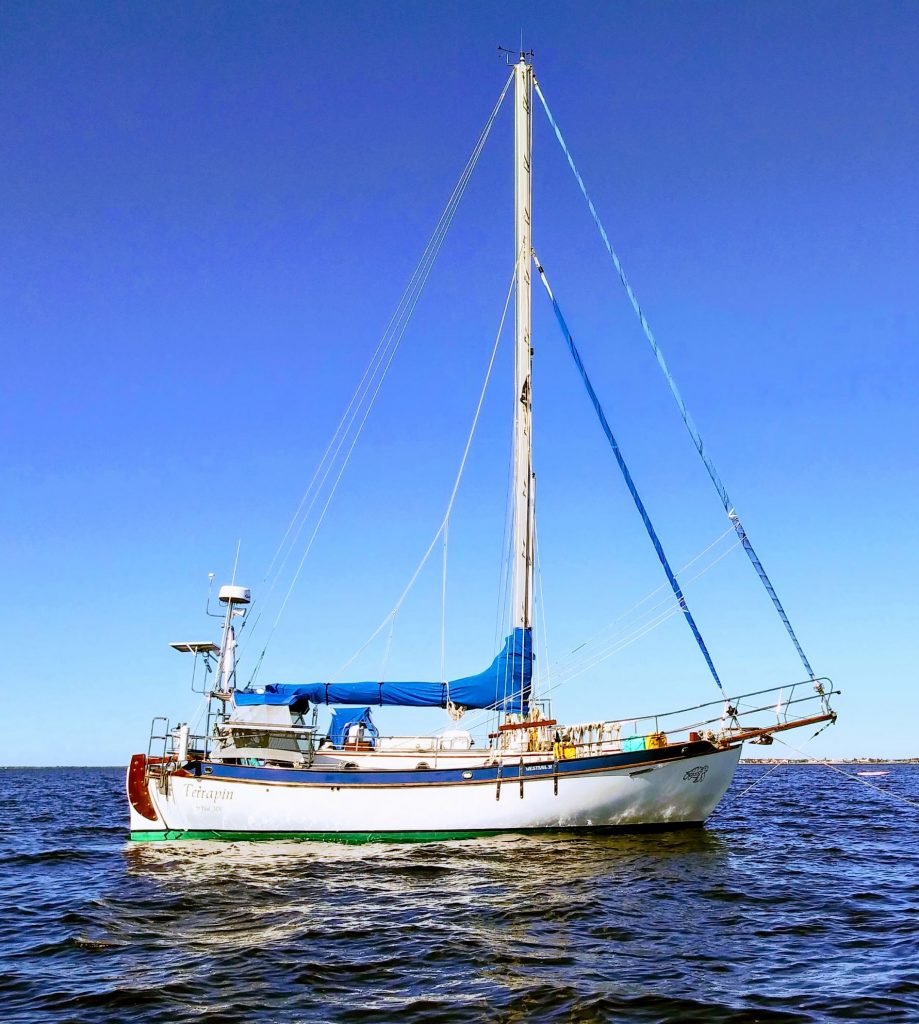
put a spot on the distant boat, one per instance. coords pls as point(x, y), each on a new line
point(872, 773)
point(262, 770)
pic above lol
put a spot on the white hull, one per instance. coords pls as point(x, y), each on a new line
point(665, 793)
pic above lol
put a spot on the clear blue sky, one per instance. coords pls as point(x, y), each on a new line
point(208, 214)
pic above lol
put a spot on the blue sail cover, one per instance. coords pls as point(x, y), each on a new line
point(504, 686)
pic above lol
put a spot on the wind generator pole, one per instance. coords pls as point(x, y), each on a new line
point(523, 456)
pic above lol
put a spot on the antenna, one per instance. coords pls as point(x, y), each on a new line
point(512, 57)
point(239, 544)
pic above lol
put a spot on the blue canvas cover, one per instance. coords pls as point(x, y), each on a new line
point(504, 685)
point(343, 720)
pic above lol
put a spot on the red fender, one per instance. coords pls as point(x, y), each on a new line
point(138, 793)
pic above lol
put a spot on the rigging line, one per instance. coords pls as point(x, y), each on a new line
point(385, 664)
point(382, 358)
point(544, 633)
point(443, 614)
point(627, 476)
point(565, 679)
point(566, 675)
point(491, 717)
point(578, 669)
point(627, 635)
point(394, 345)
point(325, 508)
point(456, 484)
point(327, 464)
point(681, 405)
point(376, 359)
point(388, 354)
point(198, 717)
point(606, 651)
point(640, 631)
point(635, 621)
point(663, 586)
point(742, 794)
point(848, 775)
point(410, 297)
point(504, 611)
point(395, 342)
point(626, 643)
point(619, 643)
point(506, 546)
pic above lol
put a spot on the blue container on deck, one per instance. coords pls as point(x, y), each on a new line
point(633, 743)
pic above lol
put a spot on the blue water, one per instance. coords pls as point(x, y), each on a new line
point(797, 903)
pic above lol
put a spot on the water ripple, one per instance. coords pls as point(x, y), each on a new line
point(796, 904)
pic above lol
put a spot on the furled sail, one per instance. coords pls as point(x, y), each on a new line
point(504, 686)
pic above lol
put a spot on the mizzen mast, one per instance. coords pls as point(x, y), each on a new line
point(523, 441)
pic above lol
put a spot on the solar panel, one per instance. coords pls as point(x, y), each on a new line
point(205, 647)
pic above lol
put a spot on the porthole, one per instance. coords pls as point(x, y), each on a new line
point(208, 770)
point(467, 775)
point(422, 766)
point(350, 766)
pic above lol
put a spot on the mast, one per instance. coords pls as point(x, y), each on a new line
point(523, 360)
point(236, 599)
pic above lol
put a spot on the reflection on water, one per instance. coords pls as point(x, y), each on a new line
point(519, 882)
point(797, 903)
point(260, 862)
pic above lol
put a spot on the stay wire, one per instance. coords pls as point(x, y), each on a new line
point(730, 803)
point(544, 631)
point(855, 778)
point(613, 644)
point(663, 586)
point(627, 476)
point(403, 312)
point(456, 483)
point(402, 316)
point(678, 398)
point(627, 640)
point(443, 612)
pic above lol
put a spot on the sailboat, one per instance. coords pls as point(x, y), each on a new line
point(263, 769)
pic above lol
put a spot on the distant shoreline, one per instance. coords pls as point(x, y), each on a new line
point(829, 760)
point(743, 760)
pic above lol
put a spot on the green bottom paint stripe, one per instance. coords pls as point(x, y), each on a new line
point(391, 837)
point(311, 837)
